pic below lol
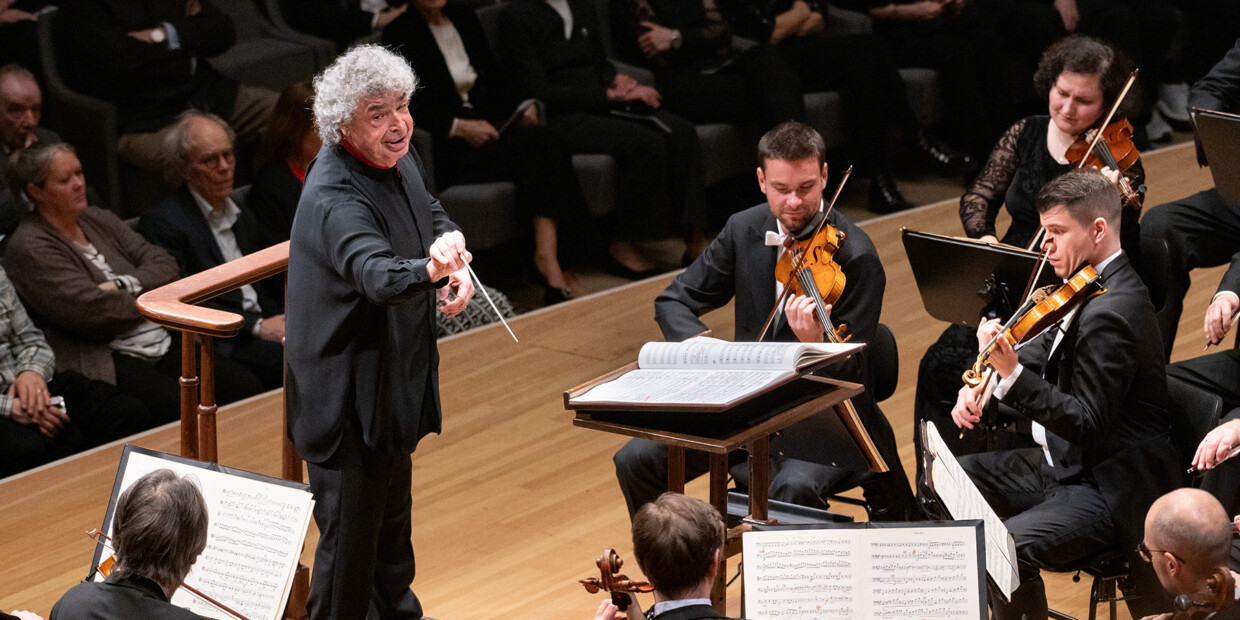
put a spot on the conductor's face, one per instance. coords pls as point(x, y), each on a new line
point(380, 128)
point(793, 189)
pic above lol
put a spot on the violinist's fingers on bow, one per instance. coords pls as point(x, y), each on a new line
point(1219, 316)
point(986, 332)
point(802, 319)
point(1216, 445)
point(967, 412)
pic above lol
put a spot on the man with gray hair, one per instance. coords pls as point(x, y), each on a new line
point(202, 227)
point(1188, 542)
point(158, 531)
point(372, 252)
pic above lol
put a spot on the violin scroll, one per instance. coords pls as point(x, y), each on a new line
point(610, 580)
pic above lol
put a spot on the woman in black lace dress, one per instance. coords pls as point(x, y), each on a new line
point(1081, 78)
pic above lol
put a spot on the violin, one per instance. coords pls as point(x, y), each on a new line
point(807, 267)
point(610, 580)
point(105, 568)
point(1112, 147)
point(1044, 308)
point(1220, 595)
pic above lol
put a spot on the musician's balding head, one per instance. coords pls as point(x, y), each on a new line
point(1187, 539)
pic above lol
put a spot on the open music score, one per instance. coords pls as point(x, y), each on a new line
point(257, 527)
point(914, 571)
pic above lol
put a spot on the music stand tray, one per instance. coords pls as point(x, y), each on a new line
point(1219, 133)
point(961, 279)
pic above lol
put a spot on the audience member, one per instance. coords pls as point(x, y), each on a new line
point(289, 145)
point(678, 542)
point(553, 51)
point(35, 428)
point(21, 105)
point(80, 269)
point(1188, 542)
point(1201, 230)
point(19, 42)
point(860, 68)
point(1095, 394)
point(465, 101)
point(201, 225)
point(344, 22)
point(150, 60)
point(158, 531)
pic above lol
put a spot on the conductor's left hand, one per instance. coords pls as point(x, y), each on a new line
point(447, 256)
point(457, 293)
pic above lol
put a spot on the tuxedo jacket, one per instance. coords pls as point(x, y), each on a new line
point(738, 264)
point(436, 101)
point(119, 598)
point(360, 332)
point(177, 224)
point(1102, 397)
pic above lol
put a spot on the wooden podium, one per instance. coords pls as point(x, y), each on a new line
point(748, 428)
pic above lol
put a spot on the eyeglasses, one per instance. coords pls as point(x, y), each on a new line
point(1147, 554)
point(217, 160)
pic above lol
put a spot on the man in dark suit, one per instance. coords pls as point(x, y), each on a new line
point(1202, 230)
point(1187, 542)
point(158, 531)
point(21, 105)
point(1217, 373)
point(740, 263)
point(372, 252)
point(201, 226)
point(1095, 390)
point(149, 57)
point(678, 542)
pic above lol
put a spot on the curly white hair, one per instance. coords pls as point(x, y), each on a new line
point(363, 71)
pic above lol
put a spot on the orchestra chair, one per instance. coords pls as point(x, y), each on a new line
point(1153, 269)
point(1193, 412)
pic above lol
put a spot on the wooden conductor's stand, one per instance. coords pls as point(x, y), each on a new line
point(755, 419)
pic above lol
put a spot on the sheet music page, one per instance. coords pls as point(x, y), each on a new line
point(828, 574)
point(962, 499)
point(682, 387)
point(254, 540)
point(705, 352)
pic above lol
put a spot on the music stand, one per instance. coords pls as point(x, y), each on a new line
point(961, 280)
point(1219, 135)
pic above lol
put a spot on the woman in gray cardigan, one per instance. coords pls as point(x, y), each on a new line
point(78, 269)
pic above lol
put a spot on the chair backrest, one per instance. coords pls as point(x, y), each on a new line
point(1153, 269)
point(1193, 412)
point(488, 17)
point(884, 363)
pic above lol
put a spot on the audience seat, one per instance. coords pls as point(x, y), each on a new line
point(265, 53)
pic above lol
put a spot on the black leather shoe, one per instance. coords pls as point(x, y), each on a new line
point(943, 159)
point(885, 197)
point(554, 295)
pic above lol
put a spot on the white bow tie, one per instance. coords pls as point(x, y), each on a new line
point(774, 238)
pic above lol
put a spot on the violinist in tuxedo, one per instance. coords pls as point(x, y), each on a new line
point(740, 263)
point(1095, 391)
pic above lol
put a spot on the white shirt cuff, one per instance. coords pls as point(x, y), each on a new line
point(1008, 381)
point(1216, 296)
point(258, 323)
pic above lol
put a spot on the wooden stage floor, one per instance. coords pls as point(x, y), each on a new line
point(512, 503)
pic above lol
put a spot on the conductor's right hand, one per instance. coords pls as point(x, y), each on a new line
point(447, 255)
point(969, 404)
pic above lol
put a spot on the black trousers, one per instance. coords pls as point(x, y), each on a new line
point(363, 564)
point(1202, 230)
point(756, 86)
point(1217, 373)
point(659, 182)
point(157, 384)
point(98, 413)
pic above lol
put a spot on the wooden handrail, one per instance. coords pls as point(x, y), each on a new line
point(173, 305)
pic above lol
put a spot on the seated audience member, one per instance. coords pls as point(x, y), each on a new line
point(33, 429)
point(1188, 542)
point(678, 542)
point(288, 147)
point(21, 105)
point(464, 99)
point(860, 68)
point(1202, 230)
point(158, 531)
point(344, 22)
point(1095, 394)
point(150, 60)
point(19, 32)
point(80, 269)
point(203, 228)
point(553, 52)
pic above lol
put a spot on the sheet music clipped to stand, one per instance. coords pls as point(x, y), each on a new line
point(963, 501)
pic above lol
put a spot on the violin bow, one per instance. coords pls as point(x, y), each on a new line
point(1132, 78)
point(770, 318)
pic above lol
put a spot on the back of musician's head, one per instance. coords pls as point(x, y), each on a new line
point(1086, 194)
point(675, 539)
point(160, 528)
point(1194, 526)
point(791, 141)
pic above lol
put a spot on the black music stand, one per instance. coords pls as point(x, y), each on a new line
point(963, 279)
